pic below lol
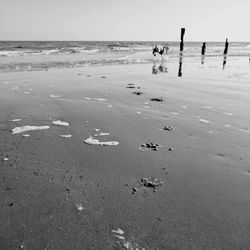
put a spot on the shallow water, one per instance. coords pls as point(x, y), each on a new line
point(27, 56)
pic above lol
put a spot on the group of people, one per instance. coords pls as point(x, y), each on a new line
point(162, 50)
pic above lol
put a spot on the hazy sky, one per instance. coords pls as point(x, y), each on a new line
point(204, 20)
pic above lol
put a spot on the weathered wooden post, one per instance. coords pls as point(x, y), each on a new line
point(182, 39)
point(203, 48)
point(226, 47)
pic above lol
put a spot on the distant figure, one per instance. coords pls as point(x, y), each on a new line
point(203, 48)
point(161, 50)
point(226, 47)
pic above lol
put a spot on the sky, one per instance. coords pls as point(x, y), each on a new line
point(124, 20)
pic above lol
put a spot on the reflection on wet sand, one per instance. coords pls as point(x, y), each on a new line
point(180, 65)
point(224, 61)
point(202, 59)
point(162, 68)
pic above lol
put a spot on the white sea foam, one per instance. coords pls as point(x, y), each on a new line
point(26, 135)
point(120, 237)
point(92, 141)
point(118, 231)
point(204, 121)
point(101, 99)
point(79, 207)
point(54, 96)
point(65, 136)
point(102, 134)
point(16, 120)
point(60, 123)
point(22, 129)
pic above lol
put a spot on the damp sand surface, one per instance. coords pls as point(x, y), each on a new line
point(203, 202)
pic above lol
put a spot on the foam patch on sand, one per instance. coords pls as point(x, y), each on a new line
point(60, 123)
point(54, 96)
point(100, 99)
point(118, 231)
point(26, 135)
point(65, 136)
point(129, 244)
point(16, 120)
point(102, 134)
point(92, 141)
point(204, 121)
point(22, 129)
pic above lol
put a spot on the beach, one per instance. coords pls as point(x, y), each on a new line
point(190, 134)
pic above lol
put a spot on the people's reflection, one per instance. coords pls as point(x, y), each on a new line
point(180, 65)
point(159, 68)
point(224, 61)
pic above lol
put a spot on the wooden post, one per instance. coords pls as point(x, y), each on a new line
point(203, 48)
point(182, 39)
point(226, 47)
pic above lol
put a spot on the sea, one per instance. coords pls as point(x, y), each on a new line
point(45, 55)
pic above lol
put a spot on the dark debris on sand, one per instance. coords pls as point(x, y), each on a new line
point(157, 99)
point(137, 93)
point(168, 128)
point(130, 86)
point(151, 182)
point(150, 145)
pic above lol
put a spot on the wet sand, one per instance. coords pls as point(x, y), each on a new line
point(62, 193)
